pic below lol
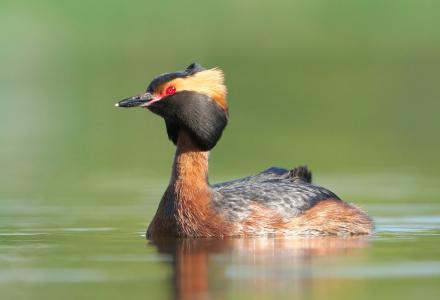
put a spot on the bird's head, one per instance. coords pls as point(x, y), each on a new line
point(193, 100)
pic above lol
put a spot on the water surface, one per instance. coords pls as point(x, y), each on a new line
point(85, 250)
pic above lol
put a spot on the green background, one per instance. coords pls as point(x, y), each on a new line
point(342, 86)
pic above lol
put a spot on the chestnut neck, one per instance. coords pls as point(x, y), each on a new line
point(190, 168)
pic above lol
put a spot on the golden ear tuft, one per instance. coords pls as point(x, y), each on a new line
point(209, 82)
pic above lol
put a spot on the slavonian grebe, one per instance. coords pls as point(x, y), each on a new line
point(274, 202)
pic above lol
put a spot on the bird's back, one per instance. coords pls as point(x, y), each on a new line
point(286, 193)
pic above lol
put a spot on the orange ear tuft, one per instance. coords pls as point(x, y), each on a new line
point(209, 82)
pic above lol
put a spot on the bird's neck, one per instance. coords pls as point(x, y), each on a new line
point(189, 179)
point(186, 208)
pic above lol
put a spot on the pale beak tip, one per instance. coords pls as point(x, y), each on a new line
point(117, 104)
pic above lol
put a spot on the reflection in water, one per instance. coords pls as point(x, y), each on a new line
point(203, 268)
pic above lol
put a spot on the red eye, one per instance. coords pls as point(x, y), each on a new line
point(170, 90)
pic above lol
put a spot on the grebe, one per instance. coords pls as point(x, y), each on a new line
point(274, 202)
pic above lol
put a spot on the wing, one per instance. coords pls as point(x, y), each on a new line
point(273, 188)
point(271, 173)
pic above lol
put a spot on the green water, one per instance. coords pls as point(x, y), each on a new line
point(349, 88)
point(84, 249)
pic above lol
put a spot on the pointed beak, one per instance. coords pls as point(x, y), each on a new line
point(136, 101)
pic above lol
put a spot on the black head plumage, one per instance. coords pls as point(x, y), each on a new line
point(163, 78)
point(194, 112)
point(201, 117)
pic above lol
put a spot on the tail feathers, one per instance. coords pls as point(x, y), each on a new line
point(301, 173)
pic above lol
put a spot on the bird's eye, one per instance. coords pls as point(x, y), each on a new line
point(170, 90)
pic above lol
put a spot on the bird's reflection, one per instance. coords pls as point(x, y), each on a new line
point(206, 268)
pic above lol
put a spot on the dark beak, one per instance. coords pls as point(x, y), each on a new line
point(135, 101)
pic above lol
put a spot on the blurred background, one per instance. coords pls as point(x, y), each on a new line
point(350, 88)
point(344, 87)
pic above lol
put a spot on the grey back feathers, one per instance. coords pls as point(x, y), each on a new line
point(288, 193)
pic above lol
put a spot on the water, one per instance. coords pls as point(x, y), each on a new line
point(85, 250)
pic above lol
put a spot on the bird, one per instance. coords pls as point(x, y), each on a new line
point(274, 202)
